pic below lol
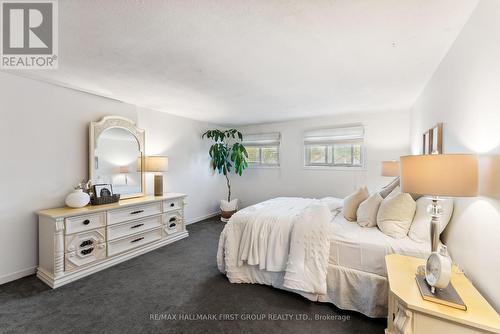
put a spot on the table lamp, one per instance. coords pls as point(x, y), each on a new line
point(449, 175)
point(124, 170)
point(157, 165)
point(390, 168)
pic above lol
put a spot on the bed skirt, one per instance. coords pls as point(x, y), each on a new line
point(347, 288)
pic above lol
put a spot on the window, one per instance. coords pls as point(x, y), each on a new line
point(337, 147)
point(262, 149)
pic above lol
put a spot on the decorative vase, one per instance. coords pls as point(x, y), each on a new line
point(77, 199)
point(228, 209)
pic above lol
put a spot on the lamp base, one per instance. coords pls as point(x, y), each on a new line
point(158, 185)
point(436, 211)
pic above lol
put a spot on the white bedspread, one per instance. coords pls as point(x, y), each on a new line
point(282, 234)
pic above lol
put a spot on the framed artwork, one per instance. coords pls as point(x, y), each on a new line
point(432, 140)
point(437, 139)
point(426, 145)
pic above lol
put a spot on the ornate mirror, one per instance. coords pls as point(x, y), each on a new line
point(116, 156)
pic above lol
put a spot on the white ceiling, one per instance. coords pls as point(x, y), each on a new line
point(240, 62)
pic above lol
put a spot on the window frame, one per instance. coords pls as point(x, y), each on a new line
point(275, 143)
point(329, 147)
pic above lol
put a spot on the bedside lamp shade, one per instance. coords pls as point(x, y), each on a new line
point(440, 175)
point(390, 168)
point(156, 164)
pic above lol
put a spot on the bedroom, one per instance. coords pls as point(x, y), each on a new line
point(327, 95)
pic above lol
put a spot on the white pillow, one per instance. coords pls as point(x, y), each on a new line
point(395, 215)
point(420, 228)
point(367, 211)
point(352, 202)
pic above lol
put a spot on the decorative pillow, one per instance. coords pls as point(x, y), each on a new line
point(389, 188)
point(395, 215)
point(420, 228)
point(367, 211)
point(352, 202)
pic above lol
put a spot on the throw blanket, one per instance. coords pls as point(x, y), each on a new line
point(282, 234)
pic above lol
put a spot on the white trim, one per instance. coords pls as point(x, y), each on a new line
point(200, 218)
point(17, 275)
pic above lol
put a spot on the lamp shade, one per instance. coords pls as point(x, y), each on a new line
point(440, 175)
point(390, 168)
point(155, 164)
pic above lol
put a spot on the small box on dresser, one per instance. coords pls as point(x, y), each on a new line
point(74, 243)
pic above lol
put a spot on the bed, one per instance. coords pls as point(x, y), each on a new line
point(355, 273)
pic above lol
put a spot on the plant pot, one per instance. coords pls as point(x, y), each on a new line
point(228, 209)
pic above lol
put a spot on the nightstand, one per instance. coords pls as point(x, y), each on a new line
point(410, 314)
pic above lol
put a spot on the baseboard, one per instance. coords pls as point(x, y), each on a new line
point(200, 218)
point(17, 275)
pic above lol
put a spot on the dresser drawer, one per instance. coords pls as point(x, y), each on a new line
point(75, 242)
point(125, 229)
point(172, 227)
point(134, 241)
point(85, 223)
point(172, 204)
point(172, 216)
point(83, 257)
point(133, 212)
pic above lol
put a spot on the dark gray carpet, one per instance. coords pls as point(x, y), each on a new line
point(178, 279)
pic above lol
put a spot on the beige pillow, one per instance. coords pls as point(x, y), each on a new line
point(396, 214)
point(367, 211)
point(352, 202)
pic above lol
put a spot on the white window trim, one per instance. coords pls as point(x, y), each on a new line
point(361, 167)
point(263, 140)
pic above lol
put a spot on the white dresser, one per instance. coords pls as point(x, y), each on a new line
point(74, 243)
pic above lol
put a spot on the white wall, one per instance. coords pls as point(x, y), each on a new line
point(464, 94)
point(44, 149)
point(387, 138)
point(189, 168)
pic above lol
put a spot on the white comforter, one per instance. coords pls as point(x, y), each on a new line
point(282, 234)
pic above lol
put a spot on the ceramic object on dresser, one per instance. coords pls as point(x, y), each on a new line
point(74, 243)
point(77, 198)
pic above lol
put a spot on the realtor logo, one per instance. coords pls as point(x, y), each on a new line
point(29, 34)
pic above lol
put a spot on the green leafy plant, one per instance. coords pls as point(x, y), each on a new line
point(227, 153)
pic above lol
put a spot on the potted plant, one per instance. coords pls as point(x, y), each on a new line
point(227, 154)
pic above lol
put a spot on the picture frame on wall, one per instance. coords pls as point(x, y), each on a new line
point(432, 140)
point(437, 139)
point(426, 145)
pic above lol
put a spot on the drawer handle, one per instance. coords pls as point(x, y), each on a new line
point(86, 243)
point(138, 239)
point(172, 219)
point(136, 212)
point(136, 226)
point(87, 251)
point(172, 225)
point(86, 222)
point(172, 205)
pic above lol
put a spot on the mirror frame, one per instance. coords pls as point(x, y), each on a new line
point(109, 122)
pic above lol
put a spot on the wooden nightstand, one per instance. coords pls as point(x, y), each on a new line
point(410, 314)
